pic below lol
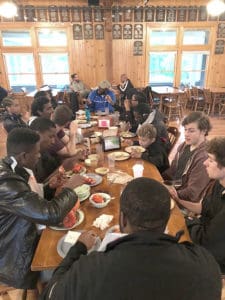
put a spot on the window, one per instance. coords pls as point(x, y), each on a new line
point(193, 68)
point(163, 37)
point(162, 65)
point(21, 71)
point(16, 38)
point(55, 69)
point(52, 38)
point(196, 37)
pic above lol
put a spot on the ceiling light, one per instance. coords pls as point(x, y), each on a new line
point(216, 7)
point(8, 9)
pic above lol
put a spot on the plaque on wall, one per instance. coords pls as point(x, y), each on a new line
point(64, 13)
point(20, 14)
point(87, 14)
point(42, 14)
point(149, 14)
point(202, 13)
point(117, 32)
point(127, 31)
point(98, 14)
point(171, 14)
point(160, 14)
point(88, 31)
point(99, 32)
point(77, 32)
point(138, 14)
point(221, 30)
point(116, 14)
point(138, 31)
point(29, 13)
point(127, 14)
point(138, 48)
point(192, 14)
point(76, 14)
point(53, 13)
point(181, 14)
point(219, 49)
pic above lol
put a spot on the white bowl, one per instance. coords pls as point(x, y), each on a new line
point(107, 199)
point(82, 191)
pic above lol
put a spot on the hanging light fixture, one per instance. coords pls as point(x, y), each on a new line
point(8, 9)
point(216, 7)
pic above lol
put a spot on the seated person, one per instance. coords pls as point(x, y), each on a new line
point(64, 146)
point(155, 153)
point(143, 263)
point(187, 166)
point(78, 86)
point(47, 89)
point(40, 107)
point(124, 86)
point(208, 230)
point(102, 99)
point(12, 118)
point(21, 209)
point(3, 94)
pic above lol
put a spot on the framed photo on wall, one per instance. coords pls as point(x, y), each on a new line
point(219, 49)
point(160, 14)
point(64, 13)
point(127, 14)
point(181, 14)
point(87, 14)
point(171, 14)
point(53, 13)
point(20, 14)
point(76, 14)
point(202, 13)
point(99, 32)
point(192, 14)
point(42, 14)
point(30, 13)
point(127, 31)
point(221, 30)
point(117, 31)
point(88, 31)
point(138, 14)
point(77, 32)
point(116, 14)
point(149, 14)
point(138, 31)
point(138, 48)
point(98, 14)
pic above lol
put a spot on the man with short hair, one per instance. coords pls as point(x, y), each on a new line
point(208, 230)
point(40, 107)
point(12, 118)
point(21, 209)
point(102, 99)
point(187, 167)
point(144, 263)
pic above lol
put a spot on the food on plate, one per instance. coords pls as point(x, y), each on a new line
point(127, 134)
point(102, 171)
point(98, 198)
point(70, 219)
point(120, 154)
point(89, 180)
point(77, 168)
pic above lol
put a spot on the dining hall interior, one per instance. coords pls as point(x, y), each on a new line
point(172, 52)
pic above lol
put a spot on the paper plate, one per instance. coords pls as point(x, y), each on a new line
point(80, 219)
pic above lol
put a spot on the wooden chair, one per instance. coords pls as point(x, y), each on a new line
point(221, 108)
point(174, 135)
point(198, 100)
point(172, 107)
point(208, 101)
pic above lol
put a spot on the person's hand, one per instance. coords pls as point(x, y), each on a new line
point(128, 142)
point(73, 127)
point(82, 153)
point(74, 181)
point(127, 104)
point(173, 192)
point(136, 154)
point(108, 99)
point(88, 101)
point(56, 181)
point(88, 238)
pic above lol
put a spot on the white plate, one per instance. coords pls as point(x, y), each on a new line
point(106, 198)
point(62, 250)
point(96, 177)
point(127, 135)
point(119, 155)
point(80, 216)
point(135, 148)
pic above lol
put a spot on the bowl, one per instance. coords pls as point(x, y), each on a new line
point(82, 191)
point(102, 171)
point(106, 198)
point(87, 162)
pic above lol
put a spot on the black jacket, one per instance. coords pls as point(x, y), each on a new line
point(11, 121)
point(139, 266)
point(20, 209)
point(209, 229)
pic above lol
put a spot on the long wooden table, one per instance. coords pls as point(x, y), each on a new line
point(46, 256)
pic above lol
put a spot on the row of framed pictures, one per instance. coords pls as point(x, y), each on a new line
point(53, 13)
point(88, 31)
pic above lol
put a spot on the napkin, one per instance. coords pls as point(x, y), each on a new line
point(103, 221)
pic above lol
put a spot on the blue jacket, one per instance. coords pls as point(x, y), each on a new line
point(98, 102)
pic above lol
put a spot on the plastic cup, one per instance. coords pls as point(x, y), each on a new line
point(138, 170)
point(111, 162)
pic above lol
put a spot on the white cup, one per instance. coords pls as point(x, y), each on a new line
point(138, 170)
